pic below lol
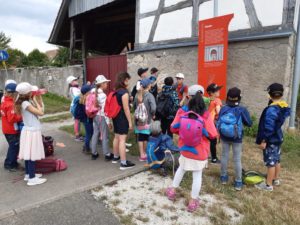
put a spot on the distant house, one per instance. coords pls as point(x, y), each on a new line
point(51, 54)
point(164, 34)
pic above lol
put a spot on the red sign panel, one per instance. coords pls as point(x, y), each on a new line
point(213, 45)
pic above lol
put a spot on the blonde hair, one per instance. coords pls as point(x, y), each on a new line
point(19, 99)
point(82, 99)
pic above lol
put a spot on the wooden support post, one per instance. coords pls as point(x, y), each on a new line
point(72, 39)
point(84, 53)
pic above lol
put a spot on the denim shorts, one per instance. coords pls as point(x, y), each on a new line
point(272, 155)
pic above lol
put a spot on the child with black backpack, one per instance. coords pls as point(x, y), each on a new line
point(230, 123)
point(167, 105)
point(194, 126)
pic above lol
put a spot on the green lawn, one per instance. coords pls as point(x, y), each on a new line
point(56, 118)
point(55, 103)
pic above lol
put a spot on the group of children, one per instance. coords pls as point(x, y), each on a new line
point(199, 122)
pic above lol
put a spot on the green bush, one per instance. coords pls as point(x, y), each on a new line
point(252, 131)
point(55, 103)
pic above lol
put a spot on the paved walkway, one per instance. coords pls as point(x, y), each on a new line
point(82, 174)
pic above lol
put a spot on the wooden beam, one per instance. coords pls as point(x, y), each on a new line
point(137, 21)
point(288, 12)
point(72, 38)
point(251, 12)
point(195, 18)
point(116, 18)
point(161, 6)
point(84, 53)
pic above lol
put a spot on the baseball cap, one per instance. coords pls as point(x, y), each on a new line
point(233, 96)
point(153, 70)
point(141, 71)
point(194, 89)
point(25, 88)
point(212, 88)
point(10, 82)
point(71, 78)
point(275, 90)
point(145, 82)
point(180, 75)
point(86, 88)
point(101, 79)
point(11, 87)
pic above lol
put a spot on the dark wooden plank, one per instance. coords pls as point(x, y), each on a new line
point(156, 19)
point(251, 12)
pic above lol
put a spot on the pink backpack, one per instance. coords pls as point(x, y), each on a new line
point(50, 165)
point(90, 105)
point(190, 129)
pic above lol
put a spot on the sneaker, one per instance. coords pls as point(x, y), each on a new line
point(224, 179)
point(11, 169)
point(128, 145)
point(38, 175)
point(115, 160)
point(94, 157)
point(143, 159)
point(238, 185)
point(86, 150)
point(264, 186)
point(127, 150)
point(193, 205)
point(109, 157)
point(171, 194)
point(36, 181)
point(78, 138)
point(126, 166)
point(276, 182)
point(215, 161)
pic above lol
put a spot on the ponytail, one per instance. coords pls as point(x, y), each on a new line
point(197, 104)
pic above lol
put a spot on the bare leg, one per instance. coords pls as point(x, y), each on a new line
point(145, 147)
point(270, 176)
point(141, 148)
point(116, 145)
point(277, 171)
point(122, 146)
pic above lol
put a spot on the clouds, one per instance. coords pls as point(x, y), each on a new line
point(28, 22)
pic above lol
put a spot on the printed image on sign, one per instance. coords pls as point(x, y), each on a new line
point(212, 52)
point(3, 55)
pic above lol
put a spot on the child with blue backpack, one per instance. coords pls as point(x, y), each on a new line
point(232, 117)
point(194, 125)
point(270, 135)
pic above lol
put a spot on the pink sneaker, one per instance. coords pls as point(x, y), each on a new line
point(194, 204)
point(143, 159)
point(171, 194)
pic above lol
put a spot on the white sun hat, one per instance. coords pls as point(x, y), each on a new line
point(10, 82)
point(25, 88)
point(194, 89)
point(101, 79)
point(180, 75)
point(71, 78)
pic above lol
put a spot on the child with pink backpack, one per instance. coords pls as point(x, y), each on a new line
point(194, 126)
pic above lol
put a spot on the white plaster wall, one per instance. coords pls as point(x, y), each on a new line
point(297, 8)
point(206, 10)
point(145, 28)
point(240, 20)
point(171, 2)
point(269, 12)
point(174, 25)
point(148, 5)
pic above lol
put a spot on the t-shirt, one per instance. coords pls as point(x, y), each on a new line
point(213, 107)
point(74, 91)
point(31, 121)
point(180, 90)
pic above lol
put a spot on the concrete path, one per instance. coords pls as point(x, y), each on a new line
point(82, 174)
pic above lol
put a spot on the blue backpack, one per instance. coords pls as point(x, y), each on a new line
point(230, 123)
point(77, 109)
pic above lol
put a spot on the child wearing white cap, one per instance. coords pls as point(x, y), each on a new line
point(31, 143)
point(74, 90)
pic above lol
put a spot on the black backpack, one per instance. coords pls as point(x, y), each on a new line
point(165, 105)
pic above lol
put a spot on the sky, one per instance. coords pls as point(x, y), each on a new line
point(28, 23)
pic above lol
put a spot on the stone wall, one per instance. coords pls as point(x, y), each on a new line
point(252, 66)
point(51, 78)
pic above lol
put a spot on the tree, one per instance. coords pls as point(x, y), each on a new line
point(17, 58)
point(37, 58)
point(4, 41)
point(62, 57)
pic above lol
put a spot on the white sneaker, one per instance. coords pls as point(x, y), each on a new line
point(127, 150)
point(36, 181)
point(128, 145)
point(38, 175)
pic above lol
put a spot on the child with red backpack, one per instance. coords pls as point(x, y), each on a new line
point(194, 126)
point(101, 122)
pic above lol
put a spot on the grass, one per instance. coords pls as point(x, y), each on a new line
point(56, 118)
point(55, 103)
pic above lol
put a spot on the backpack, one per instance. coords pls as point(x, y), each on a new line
point(230, 124)
point(112, 106)
point(48, 145)
point(77, 109)
point(190, 128)
point(252, 177)
point(90, 106)
point(141, 114)
point(171, 161)
point(50, 165)
point(165, 105)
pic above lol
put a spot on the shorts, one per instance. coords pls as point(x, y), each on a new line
point(143, 137)
point(121, 125)
point(272, 155)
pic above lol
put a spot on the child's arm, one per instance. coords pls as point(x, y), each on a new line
point(210, 128)
point(270, 122)
point(152, 106)
point(175, 124)
point(246, 118)
point(125, 101)
point(38, 110)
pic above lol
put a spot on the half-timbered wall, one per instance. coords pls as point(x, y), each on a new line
point(163, 20)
